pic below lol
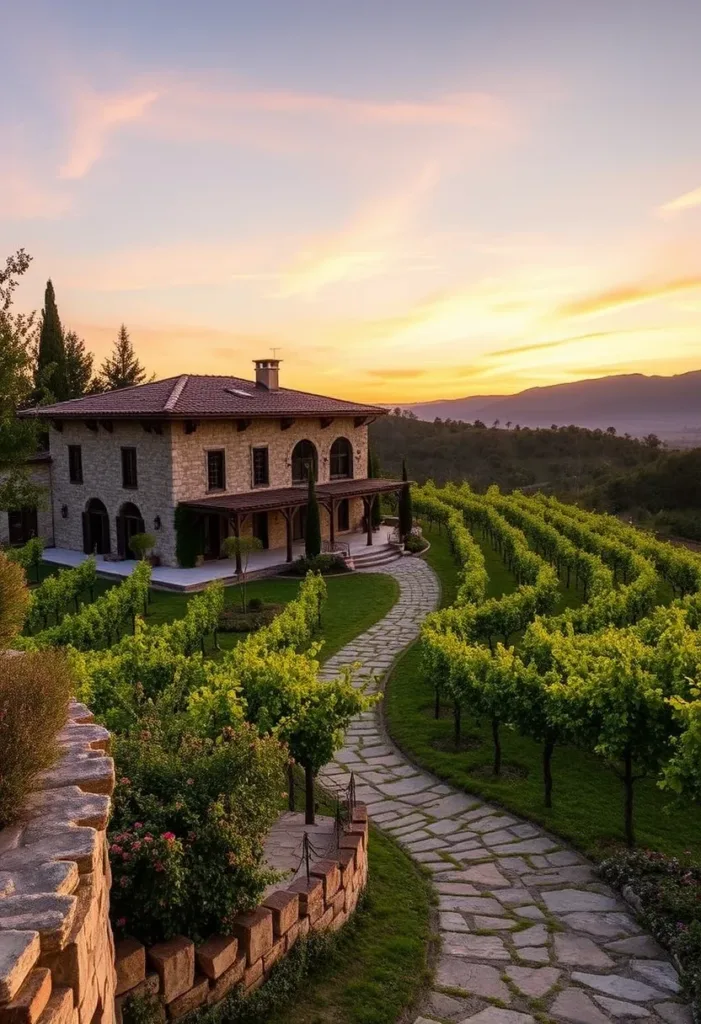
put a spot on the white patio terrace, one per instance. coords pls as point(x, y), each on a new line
point(167, 578)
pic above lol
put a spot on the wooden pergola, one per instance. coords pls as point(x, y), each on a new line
point(286, 500)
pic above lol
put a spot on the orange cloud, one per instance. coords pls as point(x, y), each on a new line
point(684, 202)
point(23, 198)
point(368, 243)
point(396, 374)
point(627, 295)
point(97, 116)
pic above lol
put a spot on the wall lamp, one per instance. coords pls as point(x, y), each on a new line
point(157, 523)
point(64, 511)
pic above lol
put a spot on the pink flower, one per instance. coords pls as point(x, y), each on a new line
point(121, 922)
point(115, 848)
point(136, 846)
point(138, 824)
point(126, 856)
point(124, 781)
point(168, 836)
point(159, 866)
point(190, 782)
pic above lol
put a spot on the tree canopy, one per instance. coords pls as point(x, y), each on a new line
point(122, 368)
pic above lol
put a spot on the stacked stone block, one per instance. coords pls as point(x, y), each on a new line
point(56, 948)
point(185, 976)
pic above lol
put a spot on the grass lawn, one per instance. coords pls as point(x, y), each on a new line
point(381, 963)
point(587, 796)
point(354, 603)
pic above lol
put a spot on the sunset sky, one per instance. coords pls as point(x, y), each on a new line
point(411, 199)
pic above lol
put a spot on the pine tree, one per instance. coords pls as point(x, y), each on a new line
point(79, 378)
point(50, 381)
point(406, 515)
point(312, 532)
point(122, 369)
point(374, 474)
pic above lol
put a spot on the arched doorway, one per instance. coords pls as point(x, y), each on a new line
point(304, 459)
point(129, 522)
point(96, 528)
point(341, 459)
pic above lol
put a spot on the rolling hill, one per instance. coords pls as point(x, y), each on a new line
point(632, 403)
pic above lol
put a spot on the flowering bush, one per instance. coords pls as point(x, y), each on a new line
point(669, 890)
point(186, 838)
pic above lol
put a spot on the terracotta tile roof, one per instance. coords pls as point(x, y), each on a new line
point(199, 397)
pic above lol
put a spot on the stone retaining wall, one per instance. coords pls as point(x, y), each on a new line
point(56, 948)
point(186, 976)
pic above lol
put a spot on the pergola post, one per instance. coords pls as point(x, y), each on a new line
point(332, 522)
point(236, 522)
point(368, 502)
point(288, 513)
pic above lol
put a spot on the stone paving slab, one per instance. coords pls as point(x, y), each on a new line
point(527, 929)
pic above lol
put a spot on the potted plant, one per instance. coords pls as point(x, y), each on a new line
point(140, 544)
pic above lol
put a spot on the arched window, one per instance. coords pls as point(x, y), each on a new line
point(96, 528)
point(304, 460)
point(341, 459)
point(129, 522)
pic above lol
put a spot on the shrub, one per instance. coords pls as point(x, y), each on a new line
point(189, 536)
point(669, 891)
point(415, 544)
point(14, 600)
point(233, 620)
point(186, 838)
point(255, 604)
point(141, 543)
point(34, 692)
point(29, 556)
point(325, 564)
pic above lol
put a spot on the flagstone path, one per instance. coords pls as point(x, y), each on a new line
point(526, 928)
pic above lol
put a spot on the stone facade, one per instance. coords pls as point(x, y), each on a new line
point(40, 475)
point(185, 976)
point(172, 467)
point(56, 947)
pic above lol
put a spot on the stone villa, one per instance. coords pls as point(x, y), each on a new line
point(236, 452)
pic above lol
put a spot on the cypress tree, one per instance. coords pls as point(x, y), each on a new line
point(122, 369)
point(406, 515)
point(50, 374)
point(312, 532)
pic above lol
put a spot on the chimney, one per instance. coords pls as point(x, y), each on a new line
point(267, 373)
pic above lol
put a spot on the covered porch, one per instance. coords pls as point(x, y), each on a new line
point(255, 512)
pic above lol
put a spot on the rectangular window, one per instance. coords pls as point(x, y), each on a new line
point(261, 473)
point(216, 476)
point(129, 478)
point(75, 463)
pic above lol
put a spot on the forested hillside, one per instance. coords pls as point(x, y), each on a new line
point(565, 459)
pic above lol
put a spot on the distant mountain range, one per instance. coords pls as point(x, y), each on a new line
point(632, 403)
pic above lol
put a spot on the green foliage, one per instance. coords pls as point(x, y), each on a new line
point(670, 893)
point(50, 379)
point(186, 836)
point(141, 543)
point(52, 597)
point(121, 369)
point(682, 774)
point(566, 460)
point(324, 564)
point(29, 555)
point(406, 516)
point(99, 624)
point(374, 473)
point(14, 601)
point(415, 544)
point(189, 536)
point(79, 367)
point(18, 437)
point(242, 548)
point(312, 528)
point(34, 694)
